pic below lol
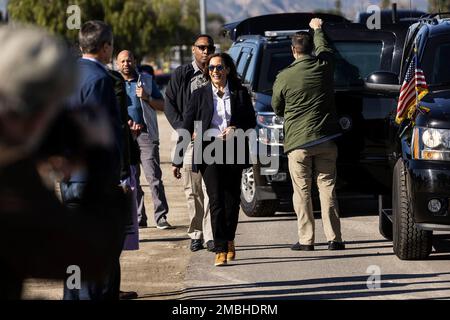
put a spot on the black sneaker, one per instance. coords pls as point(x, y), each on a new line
point(196, 244)
point(210, 246)
point(128, 295)
point(302, 247)
point(163, 224)
point(335, 245)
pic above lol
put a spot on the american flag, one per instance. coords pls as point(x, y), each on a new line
point(413, 89)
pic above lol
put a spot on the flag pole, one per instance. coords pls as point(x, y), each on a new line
point(416, 58)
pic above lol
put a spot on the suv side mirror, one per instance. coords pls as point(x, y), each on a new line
point(382, 82)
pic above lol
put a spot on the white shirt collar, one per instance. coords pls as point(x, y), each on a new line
point(96, 61)
point(226, 93)
point(196, 68)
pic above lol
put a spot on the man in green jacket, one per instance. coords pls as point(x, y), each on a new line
point(303, 94)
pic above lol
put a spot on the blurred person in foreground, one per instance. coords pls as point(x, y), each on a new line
point(219, 109)
point(39, 141)
point(303, 94)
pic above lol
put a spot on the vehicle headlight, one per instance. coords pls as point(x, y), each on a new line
point(271, 128)
point(431, 144)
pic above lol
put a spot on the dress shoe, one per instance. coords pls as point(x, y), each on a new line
point(196, 244)
point(143, 224)
point(302, 247)
point(336, 245)
point(128, 295)
point(231, 254)
point(221, 259)
point(210, 246)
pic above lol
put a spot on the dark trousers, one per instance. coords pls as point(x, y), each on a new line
point(105, 289)
point(108, 287)
point(150, 161)
point(223, 187)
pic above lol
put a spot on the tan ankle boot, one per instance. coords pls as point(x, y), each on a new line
point(221, 259)
point(231, 254)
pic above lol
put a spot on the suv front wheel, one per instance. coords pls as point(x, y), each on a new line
point(410, 243)
point(249, 203)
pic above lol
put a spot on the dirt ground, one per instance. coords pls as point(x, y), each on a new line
point(157, 269)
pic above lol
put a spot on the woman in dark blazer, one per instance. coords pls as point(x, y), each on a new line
point(224, 110)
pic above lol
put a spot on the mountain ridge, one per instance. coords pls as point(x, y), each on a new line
point(235, 10)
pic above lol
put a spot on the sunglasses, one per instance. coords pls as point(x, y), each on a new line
point(202, 48)
point(219, 67)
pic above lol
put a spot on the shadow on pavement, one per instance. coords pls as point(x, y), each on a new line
point(272, 290)
point(164, 239)
point(277, 260)
point(325, 245)
point(276, 218)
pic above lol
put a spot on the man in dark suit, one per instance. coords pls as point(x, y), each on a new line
point(95, 91)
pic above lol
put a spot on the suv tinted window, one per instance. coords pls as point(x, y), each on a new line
point(436, 62)
point(274, 61)
point(234, 52)
point(355, 61)
point(248, 78)
point(243, 63)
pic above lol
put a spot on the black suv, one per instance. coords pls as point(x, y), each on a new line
point(261, 49)
point(421, 149)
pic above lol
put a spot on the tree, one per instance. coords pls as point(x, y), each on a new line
point(439, 5)
point(385, 4)
point(145, 27)
point(338, 7)
point(52, 15)
point(336, 10)
point(215, 23)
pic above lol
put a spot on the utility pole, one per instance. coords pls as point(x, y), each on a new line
point(4, 11)
point(202, 16)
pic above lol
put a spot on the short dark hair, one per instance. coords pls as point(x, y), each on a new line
point(233, 77)
point(302, 42)
point(210, 39)
point(147, 68)
point(93, 35)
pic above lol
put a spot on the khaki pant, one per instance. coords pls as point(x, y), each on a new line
point(322, 160)
point(197, 201)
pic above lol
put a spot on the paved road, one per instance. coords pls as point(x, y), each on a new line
point(164, 268)
point(266, 268)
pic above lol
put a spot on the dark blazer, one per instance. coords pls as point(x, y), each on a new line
point(201, 108)
point(178, 93)
point(96, 89)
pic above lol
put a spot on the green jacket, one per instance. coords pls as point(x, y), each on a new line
point(303, 94)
